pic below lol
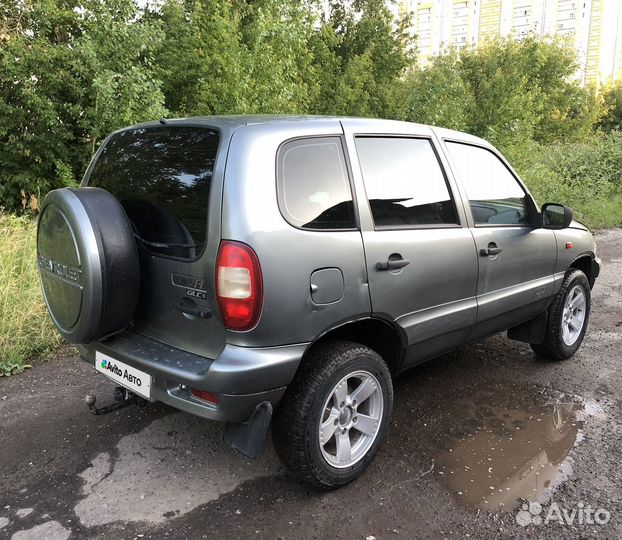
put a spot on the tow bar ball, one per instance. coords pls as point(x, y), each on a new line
point(123, 398)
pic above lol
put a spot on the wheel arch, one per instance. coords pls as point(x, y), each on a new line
point(378, 333)
point(584, 262)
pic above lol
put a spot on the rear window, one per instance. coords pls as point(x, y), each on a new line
point(313, 185)
point(162, 177)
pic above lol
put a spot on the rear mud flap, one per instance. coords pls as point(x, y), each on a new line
point(248, 437)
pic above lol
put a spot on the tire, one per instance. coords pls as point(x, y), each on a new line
point(312, 398)
point(88, 263)
point(560, 342)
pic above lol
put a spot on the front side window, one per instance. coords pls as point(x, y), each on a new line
point(404, 182)
point(495, 196)
point(313, 185)
point(162, 177)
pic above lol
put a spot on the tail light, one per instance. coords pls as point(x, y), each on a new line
point(239, 286)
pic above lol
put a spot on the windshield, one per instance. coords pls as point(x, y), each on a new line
point(162, 177)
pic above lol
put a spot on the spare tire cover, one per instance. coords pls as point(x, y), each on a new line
point(88, 263)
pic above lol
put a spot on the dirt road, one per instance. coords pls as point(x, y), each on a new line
point(475, 434)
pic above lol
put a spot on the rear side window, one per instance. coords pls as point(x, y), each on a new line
point(313, 185)
point(162, 177)
point(404, 182)
point(495, 196)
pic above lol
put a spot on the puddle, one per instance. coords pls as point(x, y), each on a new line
point(510, 444)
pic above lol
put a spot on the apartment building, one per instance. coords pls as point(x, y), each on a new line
point(594, 27)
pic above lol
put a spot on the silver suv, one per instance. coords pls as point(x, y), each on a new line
point(233, 267)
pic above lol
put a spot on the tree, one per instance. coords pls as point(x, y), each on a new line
point(365, 53)
point(201, 62)
point(524, 89)
point(278, 60)
point(438, 95)
point(610, 117)
point(118, 47)
point(70, 72)
point(40, 85)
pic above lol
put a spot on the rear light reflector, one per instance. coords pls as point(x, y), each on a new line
point(206, 396)
point(239, 285)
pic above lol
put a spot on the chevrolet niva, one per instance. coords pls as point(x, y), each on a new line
point(250, 269)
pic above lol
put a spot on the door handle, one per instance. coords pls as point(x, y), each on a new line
point(392, 265)
point(490, 251)
point(195, 311)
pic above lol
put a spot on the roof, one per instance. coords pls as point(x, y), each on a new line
point(231, 122)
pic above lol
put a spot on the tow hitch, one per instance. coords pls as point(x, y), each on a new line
point(123, 398)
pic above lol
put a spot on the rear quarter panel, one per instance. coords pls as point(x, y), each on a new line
point(288, 256)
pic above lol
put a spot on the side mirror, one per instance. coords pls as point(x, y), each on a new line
point(556, 216)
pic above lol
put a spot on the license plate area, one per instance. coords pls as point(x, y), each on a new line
point(131, 378)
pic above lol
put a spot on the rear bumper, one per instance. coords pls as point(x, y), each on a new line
point(242, 377)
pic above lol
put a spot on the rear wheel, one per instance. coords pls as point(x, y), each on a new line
point(334, 416)
point(568, 318)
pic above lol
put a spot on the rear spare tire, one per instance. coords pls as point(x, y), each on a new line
point(88, 263)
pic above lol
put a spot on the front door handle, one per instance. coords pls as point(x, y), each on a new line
point(491, 250)
point(392, 265)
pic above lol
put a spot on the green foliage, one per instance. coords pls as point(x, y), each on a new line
point(583, 175)
point(278, 60)
point(440, 96)
point(201, 62)
point(68, 77)
point(362, 55)
point(523, 90)
point(118, 55)
point(611, 108)
point(26, 330)
point(38, 91)
point(72, 71)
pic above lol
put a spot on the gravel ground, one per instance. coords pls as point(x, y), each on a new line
point(476, 434)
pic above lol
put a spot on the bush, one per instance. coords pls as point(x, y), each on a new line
point(585, 176)
point(26, 330)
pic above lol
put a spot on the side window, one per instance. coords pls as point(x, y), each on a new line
point(495, 196)
point(313, 185)
point(404, 182)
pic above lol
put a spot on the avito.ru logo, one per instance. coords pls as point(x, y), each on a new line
point(109, 366)
point(529, 514)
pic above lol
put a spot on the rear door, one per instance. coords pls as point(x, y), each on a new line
point(169, 180)
point(421, 262)
point(516, 259)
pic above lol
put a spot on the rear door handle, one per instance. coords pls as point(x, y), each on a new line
point(392, 265)
point(491, 250)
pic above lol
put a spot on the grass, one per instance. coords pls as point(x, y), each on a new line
point(26, 331)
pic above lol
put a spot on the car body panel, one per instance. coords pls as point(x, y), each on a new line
point(515, 284)
point(289, 256)
point(435, 294)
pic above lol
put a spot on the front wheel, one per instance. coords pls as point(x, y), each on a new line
point(334, 416)
point(568, 318)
